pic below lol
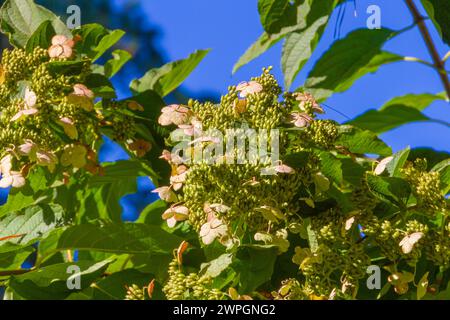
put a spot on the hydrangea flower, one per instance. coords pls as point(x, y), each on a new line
point(30, 104)
point(10, 178)
point(175, 214)
point(247, 88)
point(174, 114)
point(61, 48)
point(214, 228)
point(301, 120)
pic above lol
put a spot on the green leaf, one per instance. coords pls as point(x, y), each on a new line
point(50, 283)
point(66, 67)
point(275, 14)
point(394, 116)
point(152, 213)
point(32, 223)
point(300, 45)
point(114, 286)
point(396, 164)
point(432, 156)
point(101, 86)
point(104, 192)
point(119, 238)
point(416, 101)
point(91, 34)
point(13, 256)
point(439, 11)
point(120, 58)
point(167, 78)
point(422, 286)
point(107, 42)
point(349, 59)
point(443, 168)
point(330, 166)
point(261, 45)
point(215, 267)
point(254, 265)
point(21, 18)
point(362, 141)
point(390, 189)
point(35, 192)
point(42, 37)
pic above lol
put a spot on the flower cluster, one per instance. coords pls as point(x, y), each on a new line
point(48, 114)
point(189, 287)
point(220, 198)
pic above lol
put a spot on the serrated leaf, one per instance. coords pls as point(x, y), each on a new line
point(42, 37)
point(439, 11)
point(50, 283)
point(103, 193)
point(362, 141)
point(21, 18)
point(390, 189)
point(347, 60)
point(396, 164)
point(12, 256)
point(215, 267)
point(119, 238)
point(394, 116)
point(34, 192)
point(254, 265)
point(107, 42)
point(299, 46)
point(416, 101)
point(32, 223)
point(167, 78)
point(275, 14)
point(330, 166)
point(443, 168)
point(120, 58)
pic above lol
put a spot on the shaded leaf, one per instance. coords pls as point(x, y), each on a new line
point(119, 238)
point(390, 189)
point(362, 141)
point(21, 18)
point(42, 37)
point(439, 11)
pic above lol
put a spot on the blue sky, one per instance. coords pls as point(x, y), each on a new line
point(229, 27)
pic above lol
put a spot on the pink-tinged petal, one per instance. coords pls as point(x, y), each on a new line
point(59, 39)
point(27, 149)
point(381, 167)
point(349, 223)
point(29, 112)
point(6, 165)
point(166, 194)
point(247, 88)
point(17, 116)
point(30, 98)
point(6, 182)
point(171, 222)
point(165, 119)
point(69, 128)
point(282, 168)
point(83, 91)
point(56, 51)
point(18, 180)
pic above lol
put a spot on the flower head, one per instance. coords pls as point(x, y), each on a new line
point(301, 120)
point(61, 48)
point(306, 99)
point(214, 228)
point(174, 114)
point(166, 194)
point(30, 99)
point(247, 88)
point(175, 214)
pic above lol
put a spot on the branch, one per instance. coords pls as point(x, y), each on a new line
point(14, 272)
point(439, 64)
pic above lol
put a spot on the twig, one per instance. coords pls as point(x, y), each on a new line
point(420, 21)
